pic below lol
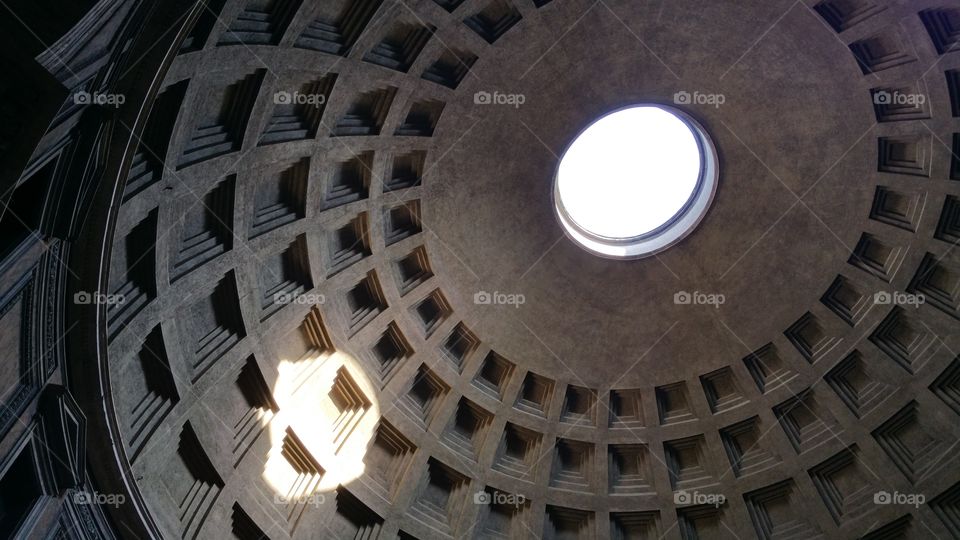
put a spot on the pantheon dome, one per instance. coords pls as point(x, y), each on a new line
point(431, 269)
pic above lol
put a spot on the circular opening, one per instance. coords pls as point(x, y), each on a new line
point(636, 181)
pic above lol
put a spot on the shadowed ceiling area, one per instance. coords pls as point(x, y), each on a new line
point(289, 269)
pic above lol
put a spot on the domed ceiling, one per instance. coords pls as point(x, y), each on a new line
point(350, 310)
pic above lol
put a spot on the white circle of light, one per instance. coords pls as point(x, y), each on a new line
point(636, 181)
